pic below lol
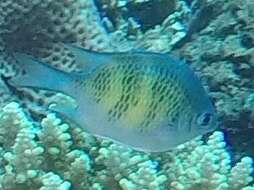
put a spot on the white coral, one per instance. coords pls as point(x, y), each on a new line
point(240, 175)
point(54, 136)
point(208, 166)
point(53, 181)
point(12, 120)
point(133, 170)
point(24, 160)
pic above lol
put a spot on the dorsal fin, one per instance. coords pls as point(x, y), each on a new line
point(87, 60)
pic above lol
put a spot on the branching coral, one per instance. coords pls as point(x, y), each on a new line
point(129, 169)
point(44, 156)
point(31, 153)
point(213, 170)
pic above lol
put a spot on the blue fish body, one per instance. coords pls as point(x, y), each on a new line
point(148, 101)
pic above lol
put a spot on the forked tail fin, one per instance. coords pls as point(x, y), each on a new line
point(40, 75)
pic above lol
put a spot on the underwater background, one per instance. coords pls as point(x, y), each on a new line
point(40, 150)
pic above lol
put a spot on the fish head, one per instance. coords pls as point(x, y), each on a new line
point(185, 126)
point(189, 123)
point(197, 113)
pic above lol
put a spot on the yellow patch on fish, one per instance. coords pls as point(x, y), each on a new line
point(136, 114)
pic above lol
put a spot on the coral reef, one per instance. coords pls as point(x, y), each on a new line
point(54, 155)
point(222, 53)
point(40, 151)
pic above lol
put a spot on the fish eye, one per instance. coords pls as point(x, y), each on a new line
point(204, 119)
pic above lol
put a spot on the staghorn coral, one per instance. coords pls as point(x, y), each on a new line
point(44, 156)
point(128, 169)
point(31, 153)
point(213, 170)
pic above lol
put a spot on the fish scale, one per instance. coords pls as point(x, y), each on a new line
point(101, 85)
point(156, 86)
point(128, 87)
point(148, 101)
point(127, 74)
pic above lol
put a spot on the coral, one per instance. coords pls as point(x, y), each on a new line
point(222, 53)
point(39, 28)
point(53, 181)
point(53, 155)
point(130, 169)
point(155, 35)
point(32, 152)
point(213, 170)
point(116, 27)
point(12, 120)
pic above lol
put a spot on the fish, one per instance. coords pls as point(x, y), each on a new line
point(150, 102)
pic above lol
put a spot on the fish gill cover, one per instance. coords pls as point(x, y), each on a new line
point(39, 150)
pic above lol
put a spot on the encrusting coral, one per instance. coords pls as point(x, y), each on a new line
point(47, 154)
point(43, 155)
